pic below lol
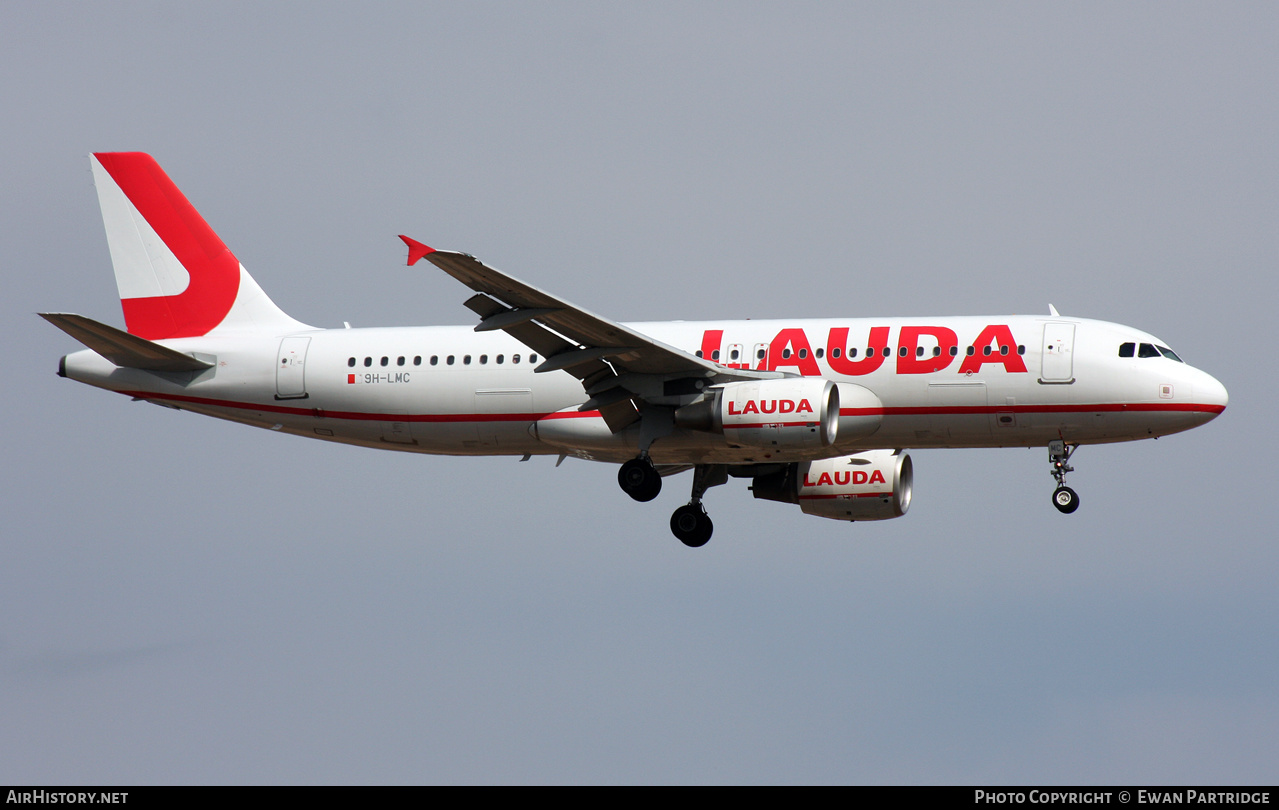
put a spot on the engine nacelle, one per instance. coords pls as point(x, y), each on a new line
point(875, 485)
point(860, 412)
point(795, 412)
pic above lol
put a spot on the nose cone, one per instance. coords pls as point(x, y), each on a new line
point(1211, 394)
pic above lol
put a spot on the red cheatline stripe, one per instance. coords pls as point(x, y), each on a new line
point(1097, 407)
point(360, 416)
point(533, 417)
point(570, 414)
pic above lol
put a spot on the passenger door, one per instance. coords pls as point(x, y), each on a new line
point(1058, 358)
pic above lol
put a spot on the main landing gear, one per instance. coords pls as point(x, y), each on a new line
point(690, 523)
point(1064, 498)
point(640, 479)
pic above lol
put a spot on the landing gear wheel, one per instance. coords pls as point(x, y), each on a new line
point(1065, 500)
point(692, 525)
point(640, 479)
point(1059, 453)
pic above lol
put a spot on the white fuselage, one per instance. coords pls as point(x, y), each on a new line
point(449, 390)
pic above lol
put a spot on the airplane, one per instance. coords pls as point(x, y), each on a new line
point(814, 413)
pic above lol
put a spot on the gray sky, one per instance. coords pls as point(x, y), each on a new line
point(186, 600)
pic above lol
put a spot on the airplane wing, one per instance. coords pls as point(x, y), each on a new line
point(619, 367)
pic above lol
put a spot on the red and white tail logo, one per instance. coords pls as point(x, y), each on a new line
point(175, 276)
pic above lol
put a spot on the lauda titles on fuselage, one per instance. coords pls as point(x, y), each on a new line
point(815, 413)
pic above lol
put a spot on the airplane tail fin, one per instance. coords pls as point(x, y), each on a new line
point(175, 276)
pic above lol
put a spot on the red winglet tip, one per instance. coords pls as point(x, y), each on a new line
point(416, 249)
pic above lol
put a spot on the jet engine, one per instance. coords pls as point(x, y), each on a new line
point(874, 485)
point(794, 413)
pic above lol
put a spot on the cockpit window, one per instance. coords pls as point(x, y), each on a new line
point(1148, 350)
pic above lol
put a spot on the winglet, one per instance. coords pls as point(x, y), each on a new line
point(416, 250)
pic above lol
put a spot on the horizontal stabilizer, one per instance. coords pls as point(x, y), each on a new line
point(122, 348)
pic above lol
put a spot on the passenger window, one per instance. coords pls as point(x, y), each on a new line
point(969, 351)
point(819, 353)
point(385, 360)
point(986, 351)
point(484, 359)
point(368, 361)
point(803, 353)
point(1146, 350)
point(954, 351)
point(759, 355)
point(901, 352)
point(500, 358)
point(698, 353)
point(449, 360)
point(852, 353)
point(515, 358)
point(919, 351)
point(785, 353)
point(532, 358)
point(735, 354)
point(417, 361)
point(466, 359)
point(435, 359)
point(1127, 349)
point(835, 353)
point(1021, 349)
point(715, 354)
point(399, 361)
point(1003, 350)
point(887, 352)
point(350, 361)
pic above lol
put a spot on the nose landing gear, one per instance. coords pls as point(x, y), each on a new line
point(1064, 498)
